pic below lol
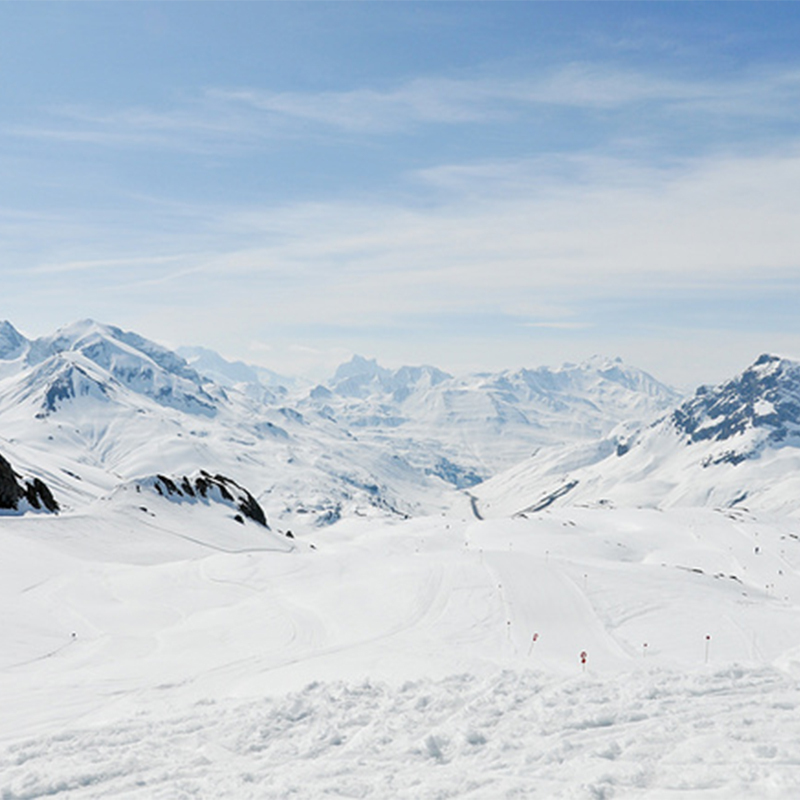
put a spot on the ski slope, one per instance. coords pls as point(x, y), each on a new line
point(384, 658)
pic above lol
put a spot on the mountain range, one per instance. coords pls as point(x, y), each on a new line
point(736, 445)
point(92, 407)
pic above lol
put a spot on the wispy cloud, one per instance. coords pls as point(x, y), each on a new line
point(247, 115)
point(63, 267)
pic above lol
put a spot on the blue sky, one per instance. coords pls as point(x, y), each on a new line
point(475, 185)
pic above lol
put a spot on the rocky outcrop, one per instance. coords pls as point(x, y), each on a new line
point(765, 396)
point(20, 494)
point(205, 486)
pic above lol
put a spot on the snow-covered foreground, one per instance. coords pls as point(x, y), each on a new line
point(397, 659)
point(732, 732)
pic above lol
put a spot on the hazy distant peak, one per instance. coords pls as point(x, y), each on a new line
point(212, 365)
point(358, 367)
point(12, 342)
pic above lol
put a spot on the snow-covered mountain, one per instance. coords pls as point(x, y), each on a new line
point(469, 428)
point(736, 444)
point(93, 406)
point(214, 367)
point(89, 359)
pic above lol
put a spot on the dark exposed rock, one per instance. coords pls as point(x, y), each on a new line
point(14, 488)
point(9, 488)
point(203, 486)
point(39, 495)
point(169, 485)
point(766, 395)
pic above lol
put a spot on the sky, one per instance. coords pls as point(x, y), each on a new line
point(481, 185)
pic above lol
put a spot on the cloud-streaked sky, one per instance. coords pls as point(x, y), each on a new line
point(474, 185)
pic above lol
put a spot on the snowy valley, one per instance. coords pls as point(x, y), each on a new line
point(566, 582)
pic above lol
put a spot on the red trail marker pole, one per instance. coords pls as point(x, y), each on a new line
point(584, 656)
point(533, 642)
point(708, 641)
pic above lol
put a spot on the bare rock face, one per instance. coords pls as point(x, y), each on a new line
point(9, 489)
point(205, 486)
point(16, 492)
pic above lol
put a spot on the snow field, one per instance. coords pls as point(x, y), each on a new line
point(213, 659)
point(726, 733)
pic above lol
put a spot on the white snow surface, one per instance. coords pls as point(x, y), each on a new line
point(396, 659)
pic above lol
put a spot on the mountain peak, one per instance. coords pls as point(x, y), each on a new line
point(12, 342)
point(599, 362)
point(766, 395)
point(359, 367)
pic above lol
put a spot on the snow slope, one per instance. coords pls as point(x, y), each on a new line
point(397, 659)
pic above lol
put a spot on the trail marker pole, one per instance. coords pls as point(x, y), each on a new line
point(708, 641)
point(508, 628)
point(644, 650)
point(584, 656)
point(585, 581)
point(533, 642)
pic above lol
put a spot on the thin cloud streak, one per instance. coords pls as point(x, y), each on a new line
point(102, 264)
point(238, 117)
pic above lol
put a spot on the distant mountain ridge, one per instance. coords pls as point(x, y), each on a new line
point(63, 362)
point(733, 445)
point(486, 422)
point(106, 405)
